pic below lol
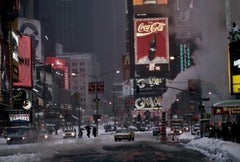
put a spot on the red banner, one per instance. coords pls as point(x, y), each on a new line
point(25, 62)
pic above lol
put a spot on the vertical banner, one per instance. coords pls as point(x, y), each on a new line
point(5, 82)
point(25, 63)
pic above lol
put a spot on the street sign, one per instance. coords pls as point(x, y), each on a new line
point(91, 87)
point(100, 87)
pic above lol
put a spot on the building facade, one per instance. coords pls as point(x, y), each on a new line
point(81, 67)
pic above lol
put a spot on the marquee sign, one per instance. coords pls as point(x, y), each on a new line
point(233, 110)
point(226, 107)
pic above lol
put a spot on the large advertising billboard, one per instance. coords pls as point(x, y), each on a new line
point(25, 62)
point(234, 67)
point(151, 46)
point(187, 19)
point(32, 28)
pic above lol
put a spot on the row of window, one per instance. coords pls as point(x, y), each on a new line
point(81, 70)
point(76, 64)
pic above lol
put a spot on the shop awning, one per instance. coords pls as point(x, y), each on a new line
point(226, 107)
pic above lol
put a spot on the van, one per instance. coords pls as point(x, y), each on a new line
point(21, 134)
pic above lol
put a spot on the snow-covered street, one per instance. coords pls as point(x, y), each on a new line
point(216, 149)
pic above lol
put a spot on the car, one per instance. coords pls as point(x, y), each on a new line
point(109, 128)
point(176, 130)
point(43, 135)
point(21, 134)
point(133, 128)
point(69, 133)
point(186, 127)
point(124, 134)
point(156, 131)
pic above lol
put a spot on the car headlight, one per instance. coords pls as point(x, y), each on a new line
point(8, 138)
point(23, 138)
point(45, 136)
point(63, 134)
point(73, 134)
point(180, 131)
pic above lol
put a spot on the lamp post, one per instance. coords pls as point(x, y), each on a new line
point(97, 100)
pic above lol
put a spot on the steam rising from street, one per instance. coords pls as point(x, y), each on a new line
point(210, 59)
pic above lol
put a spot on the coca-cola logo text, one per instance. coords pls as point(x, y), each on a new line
point(150, 28)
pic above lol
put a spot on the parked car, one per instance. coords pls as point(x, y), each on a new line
point(69, 133)
point(124, 134)
point(109, 128)
point(156, 131)
point(133, 128)
point(21, 134)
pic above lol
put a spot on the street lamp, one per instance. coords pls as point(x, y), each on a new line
point(96, 93)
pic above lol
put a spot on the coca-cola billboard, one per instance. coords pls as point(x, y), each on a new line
point(151, 46)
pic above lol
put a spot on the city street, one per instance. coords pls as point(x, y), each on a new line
point(102, 148)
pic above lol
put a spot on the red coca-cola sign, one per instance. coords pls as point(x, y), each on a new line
point(151, 41)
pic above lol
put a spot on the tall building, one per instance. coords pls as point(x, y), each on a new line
point(81, 67)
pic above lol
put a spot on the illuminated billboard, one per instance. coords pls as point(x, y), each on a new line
point(25, 62)
point(59, 64)
point(234, 67)
point(56, 63)
point(151, 46)
point(146, 2)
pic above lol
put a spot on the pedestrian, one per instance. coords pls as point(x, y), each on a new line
point(80, 133)
point(88, 130)
point(238, 133)
point(94, 132)
point(225, 131)
point(233, 132)
point(56, 130)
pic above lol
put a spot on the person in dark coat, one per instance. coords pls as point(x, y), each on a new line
point(88, 128)
point(94, 132)
point(233, 132)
